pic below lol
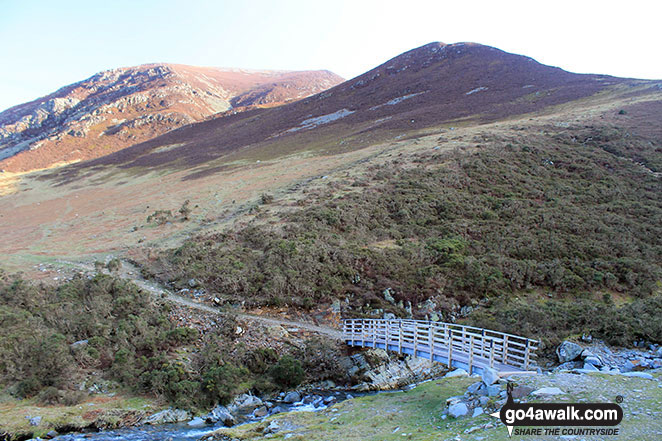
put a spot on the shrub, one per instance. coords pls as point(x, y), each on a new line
point(288, 372)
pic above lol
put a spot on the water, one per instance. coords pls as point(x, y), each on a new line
point(183, 432)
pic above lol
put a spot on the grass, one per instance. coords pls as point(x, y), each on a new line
point(105, 410)
point(416, 414)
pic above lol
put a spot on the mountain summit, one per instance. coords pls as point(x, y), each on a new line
point(120, 107)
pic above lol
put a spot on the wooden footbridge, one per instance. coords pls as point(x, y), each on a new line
point(455, 345)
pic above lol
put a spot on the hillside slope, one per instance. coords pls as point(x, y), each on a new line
point(422, 88)
point(120, 107)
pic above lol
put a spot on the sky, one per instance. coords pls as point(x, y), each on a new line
point(49, 44)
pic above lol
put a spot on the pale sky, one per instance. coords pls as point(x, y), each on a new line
point(49, 44)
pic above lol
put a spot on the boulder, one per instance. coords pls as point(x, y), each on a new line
point(477, 411)
point(330, 400)
point(457, 373)
point(548, 391)
point(473, 389)
point(590, 367)
point(276, 410)
point(246, 402)
point(493, 390)
point(196, 422)
point(35, 421)
point(593, 360)
point(168, 416)
point(222, 414)
point(292, 397)
point(458, 410)
point(389, 316)
point(568, 351)
point(260, 412)
point(489, 376)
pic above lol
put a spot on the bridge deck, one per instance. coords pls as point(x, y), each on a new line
point(455, 345)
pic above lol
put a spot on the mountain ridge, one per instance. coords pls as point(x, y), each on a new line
point(120, 107)
point(434, 84)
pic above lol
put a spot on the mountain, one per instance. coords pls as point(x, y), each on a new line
point(426, 87)
point(120, 107)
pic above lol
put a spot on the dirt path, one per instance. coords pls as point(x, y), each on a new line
point(130, 272)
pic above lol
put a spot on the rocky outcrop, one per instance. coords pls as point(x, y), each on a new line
point(168, 416)
point(376, 369)
point(121, 107)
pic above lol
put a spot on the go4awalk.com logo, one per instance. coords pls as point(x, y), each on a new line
point(558, 419)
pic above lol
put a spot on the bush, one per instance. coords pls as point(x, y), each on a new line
point(288, 372)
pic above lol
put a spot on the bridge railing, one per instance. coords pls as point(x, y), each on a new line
point(449, 339)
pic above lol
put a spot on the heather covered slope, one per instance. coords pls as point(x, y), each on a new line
point(425, 87)
point(120, 107)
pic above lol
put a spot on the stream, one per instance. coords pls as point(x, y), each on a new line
point(184, 432)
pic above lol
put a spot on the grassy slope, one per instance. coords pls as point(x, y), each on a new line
point(417, 413)
point(101, 410)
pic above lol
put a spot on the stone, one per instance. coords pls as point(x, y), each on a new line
point(593, 361)
point(292, 397)
point(489, 376)
point(222, 414)
point(80, 344)
point(192, 283)
point(658, 354)
point(638, 374)
point(389, 316)
point(483, 401)
point(493, 390)
point(548, 391)
point(456, 373)
point(458, 410)
point(276, 410)
point(477, 411)
point(568, 351)
point(261, 412)
point(168, 416)
point(246, 402)
point(330, 400)
point(567, 366)
point(51, 434)
point(273, 427)
point(629, 365)
point(35, 421)
point(473, 389)
point(521, 391)
point(589, 367)
point(388, 296)
point(196, 422)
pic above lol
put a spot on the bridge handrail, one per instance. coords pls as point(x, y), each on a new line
point(508, 349)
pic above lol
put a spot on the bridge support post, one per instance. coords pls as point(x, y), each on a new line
point(431, 342)
point(526, 356)
point(400, 337)
point(491, 353)
point(450, 349)
point(471, 355)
